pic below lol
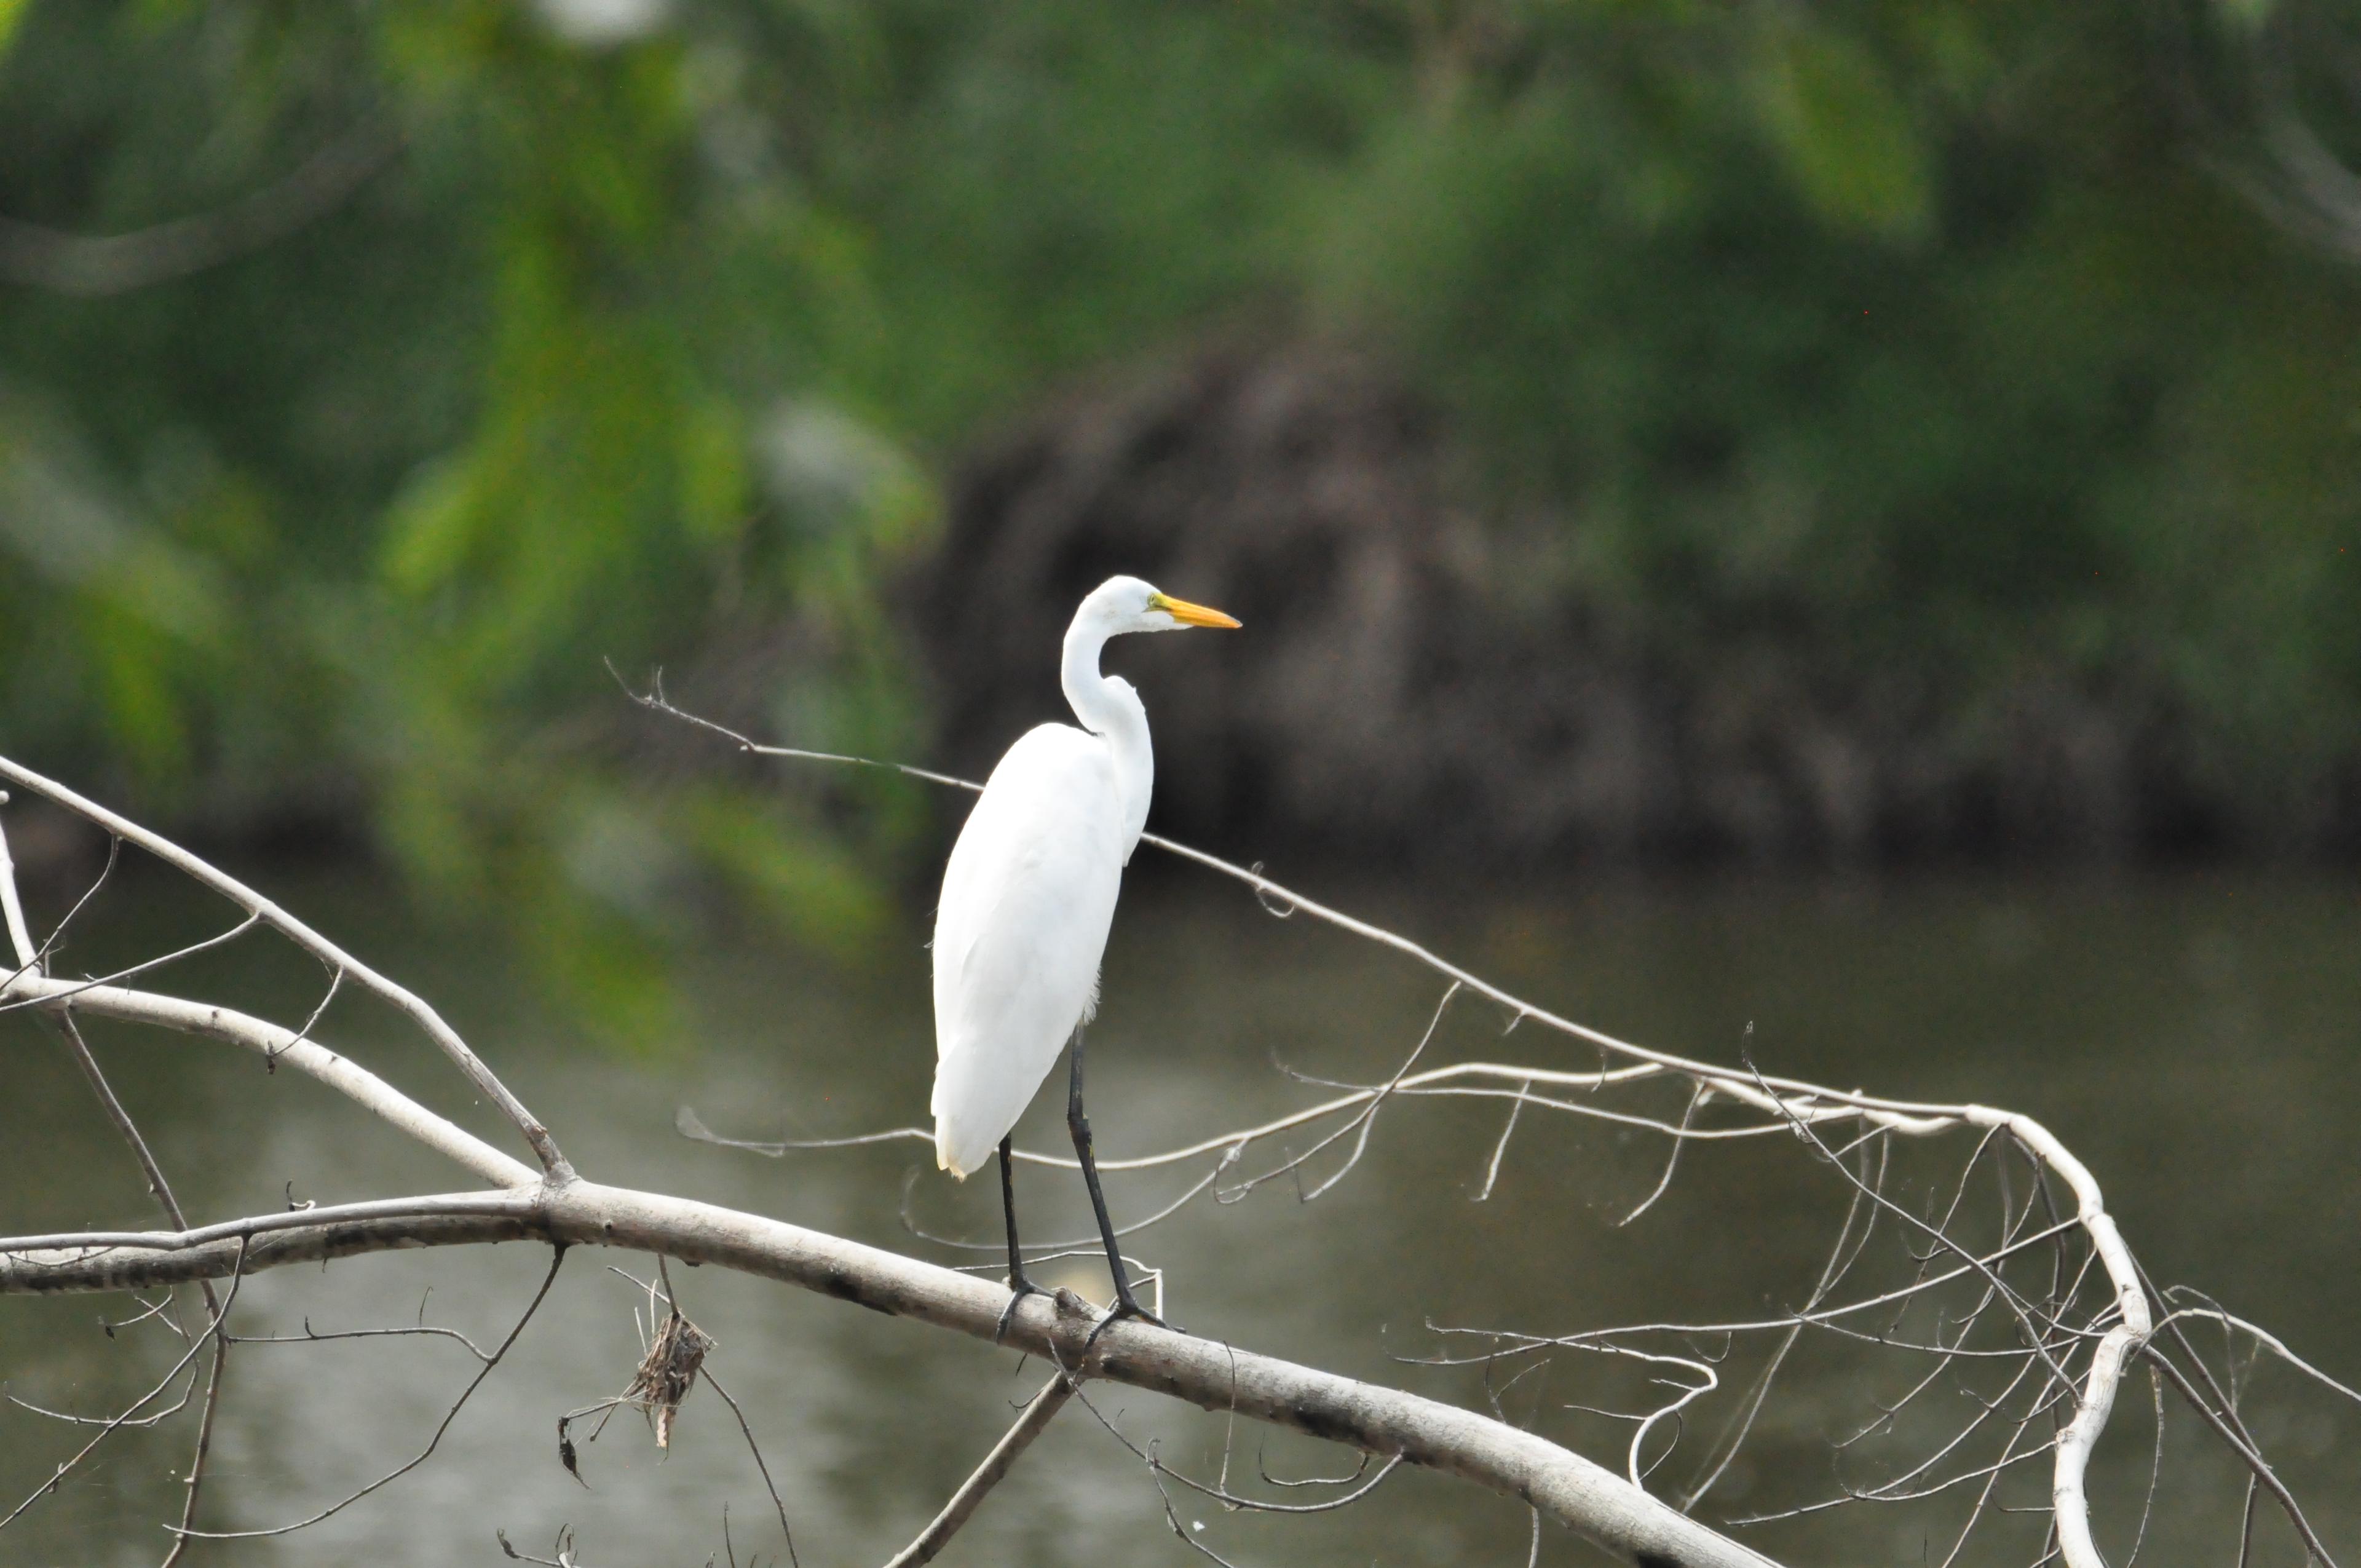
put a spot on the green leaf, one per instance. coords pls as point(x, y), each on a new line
point(1847, 137)
point(430, 526)
point(712, 470)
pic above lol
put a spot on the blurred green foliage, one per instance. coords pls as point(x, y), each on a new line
point(1915, 338)
point(341, 530)
point(1913, 344)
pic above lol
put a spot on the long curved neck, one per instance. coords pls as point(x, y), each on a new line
point(1111, 710)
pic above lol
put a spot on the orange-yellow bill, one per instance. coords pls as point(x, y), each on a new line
point(1189, 614)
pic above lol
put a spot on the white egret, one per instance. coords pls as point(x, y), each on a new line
point(1028, 895)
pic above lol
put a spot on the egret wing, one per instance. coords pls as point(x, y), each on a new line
point(1027, 899)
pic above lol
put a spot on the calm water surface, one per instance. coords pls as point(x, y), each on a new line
point(2194, 1038)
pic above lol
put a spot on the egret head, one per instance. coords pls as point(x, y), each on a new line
point(1126, 604)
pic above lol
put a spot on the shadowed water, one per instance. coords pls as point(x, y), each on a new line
point(2192, 1038)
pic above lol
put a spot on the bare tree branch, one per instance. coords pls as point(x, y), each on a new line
point(1038, 1411)
point(12, 908)
point(2255, 1464)
point(491, 1363)
point(1587, 1499)
point(486, 1082)
point(75, 988)
point(2063, 1366)
point(278, 1045)
point(31, 961)
point(236, 1275)
point(1501, 1152)
point(1802, 1105)
point(755, 1449)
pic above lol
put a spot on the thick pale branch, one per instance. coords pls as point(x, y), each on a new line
point(283, 1047)
point(1585, 1498)
point(2130, 1335)
point(72, 1270)
point(433, 1205)
point(311, 941)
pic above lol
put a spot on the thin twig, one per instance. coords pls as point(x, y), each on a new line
point(488, 1082)
point(312, 1336)
point(74, 988)
point(1500, 1152)
point(1433, 1080)
point(275, 1045)
point(150, 1171)
point(1698, 1094)
point(1038, 1412)
point(786, 1531)
point(556, 1258)
point(131, 1411)
point(2155, 1470)
point(563, 1546)
point(1359, 1124)
point(1734, 1437)
point(910, 1223)
point(2255, 1463)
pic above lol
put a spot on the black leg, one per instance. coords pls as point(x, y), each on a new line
point(1126, 1305)
point(1019, 1287)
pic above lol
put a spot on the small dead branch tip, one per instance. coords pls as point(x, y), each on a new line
point(655, 693)
point(563, 1546)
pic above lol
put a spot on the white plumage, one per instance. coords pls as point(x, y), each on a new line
point(1030, 889)
point(1027, 899)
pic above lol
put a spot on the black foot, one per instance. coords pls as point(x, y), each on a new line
point(1017, 1290)
point(1126, 1305)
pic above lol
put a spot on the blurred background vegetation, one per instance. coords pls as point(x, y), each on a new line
point(371, 370)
